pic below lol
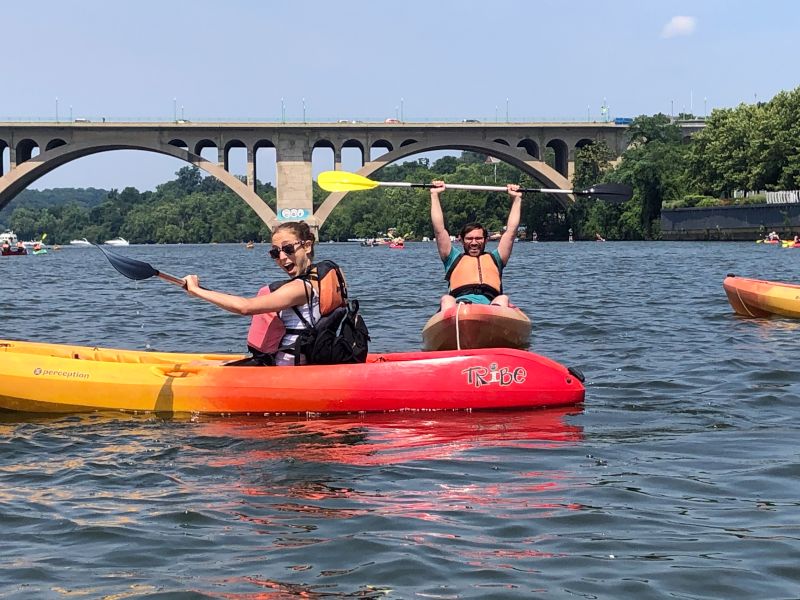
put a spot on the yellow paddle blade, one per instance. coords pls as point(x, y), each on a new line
point(342, 181)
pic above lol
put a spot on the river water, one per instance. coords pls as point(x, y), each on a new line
point(678, 478)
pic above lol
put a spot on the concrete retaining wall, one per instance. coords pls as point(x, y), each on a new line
point(735, 223)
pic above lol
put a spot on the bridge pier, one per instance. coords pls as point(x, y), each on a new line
point(251, 168)
point(294, 183)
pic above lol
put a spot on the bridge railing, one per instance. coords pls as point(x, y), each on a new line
point(298, 119)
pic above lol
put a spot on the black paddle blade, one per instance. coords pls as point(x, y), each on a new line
point(132, 269)
point(616, 193)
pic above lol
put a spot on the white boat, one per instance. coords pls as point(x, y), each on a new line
point(80, 242)
point(9, 237)
point(117, 241)
point(10, 244)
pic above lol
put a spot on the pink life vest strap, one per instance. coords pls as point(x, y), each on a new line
point(266, 329)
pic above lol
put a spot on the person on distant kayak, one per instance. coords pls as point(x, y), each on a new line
point(473, 274)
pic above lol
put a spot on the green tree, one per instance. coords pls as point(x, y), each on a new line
point(655, 166)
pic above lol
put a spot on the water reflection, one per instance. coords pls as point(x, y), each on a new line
point(384, 439)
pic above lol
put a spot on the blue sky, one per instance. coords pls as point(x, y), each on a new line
point(441, 59)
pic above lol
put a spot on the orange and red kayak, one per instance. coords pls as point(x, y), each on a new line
point(477, 326)
point(759, 298)
point(40, 377)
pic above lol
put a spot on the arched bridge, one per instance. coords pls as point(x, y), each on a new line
point(35, 149)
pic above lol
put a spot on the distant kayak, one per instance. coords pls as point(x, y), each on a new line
point(57, 378)
point(760, 298)
point(477, 326)
point(16, 251)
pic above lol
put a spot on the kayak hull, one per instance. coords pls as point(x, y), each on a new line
point(469, 326)
point(760, 298)
point(54, 378)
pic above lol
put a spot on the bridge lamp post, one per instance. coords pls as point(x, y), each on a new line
point(304, 110)
point(401, 109)
point(70, 113)
point(283, 111)
point(496, 118)
point(705, 107)
point(56, 109)
point(175, 109)
point(506, 110)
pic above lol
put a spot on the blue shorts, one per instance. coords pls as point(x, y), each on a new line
point(474, 299)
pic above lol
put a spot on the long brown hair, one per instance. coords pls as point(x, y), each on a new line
point(301, 230)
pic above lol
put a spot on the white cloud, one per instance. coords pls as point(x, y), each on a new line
point(678, 26)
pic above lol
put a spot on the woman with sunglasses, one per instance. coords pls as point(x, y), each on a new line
point(295, 303)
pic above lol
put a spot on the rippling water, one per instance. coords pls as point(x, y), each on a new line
point(678, 478)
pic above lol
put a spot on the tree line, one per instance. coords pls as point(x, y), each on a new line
point(751, 147)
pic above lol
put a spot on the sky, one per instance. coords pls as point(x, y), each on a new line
point(239, 60)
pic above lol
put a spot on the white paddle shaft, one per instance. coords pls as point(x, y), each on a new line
point(463, 186)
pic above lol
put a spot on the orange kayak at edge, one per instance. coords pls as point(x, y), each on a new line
point(760, 298)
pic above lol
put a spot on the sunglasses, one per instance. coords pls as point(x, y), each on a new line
point(287, 249)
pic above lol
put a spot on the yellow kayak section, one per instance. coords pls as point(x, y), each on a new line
point(761, 298)
point(41, 377)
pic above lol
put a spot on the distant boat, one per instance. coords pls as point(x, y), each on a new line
point(10, 245)
point(80, 242)
point(117, 241)
point(8, 237)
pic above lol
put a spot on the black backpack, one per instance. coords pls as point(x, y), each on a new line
point(340, 337)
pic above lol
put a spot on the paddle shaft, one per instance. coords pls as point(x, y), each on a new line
point(465, 186)
point(172, 279)
point(341, 181)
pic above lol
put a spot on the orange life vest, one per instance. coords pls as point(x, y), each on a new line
point(475, 275)
point(331, 286)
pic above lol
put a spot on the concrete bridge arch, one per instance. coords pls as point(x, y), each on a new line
point(58, 153)
point(521, 144)
point(518, 157)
